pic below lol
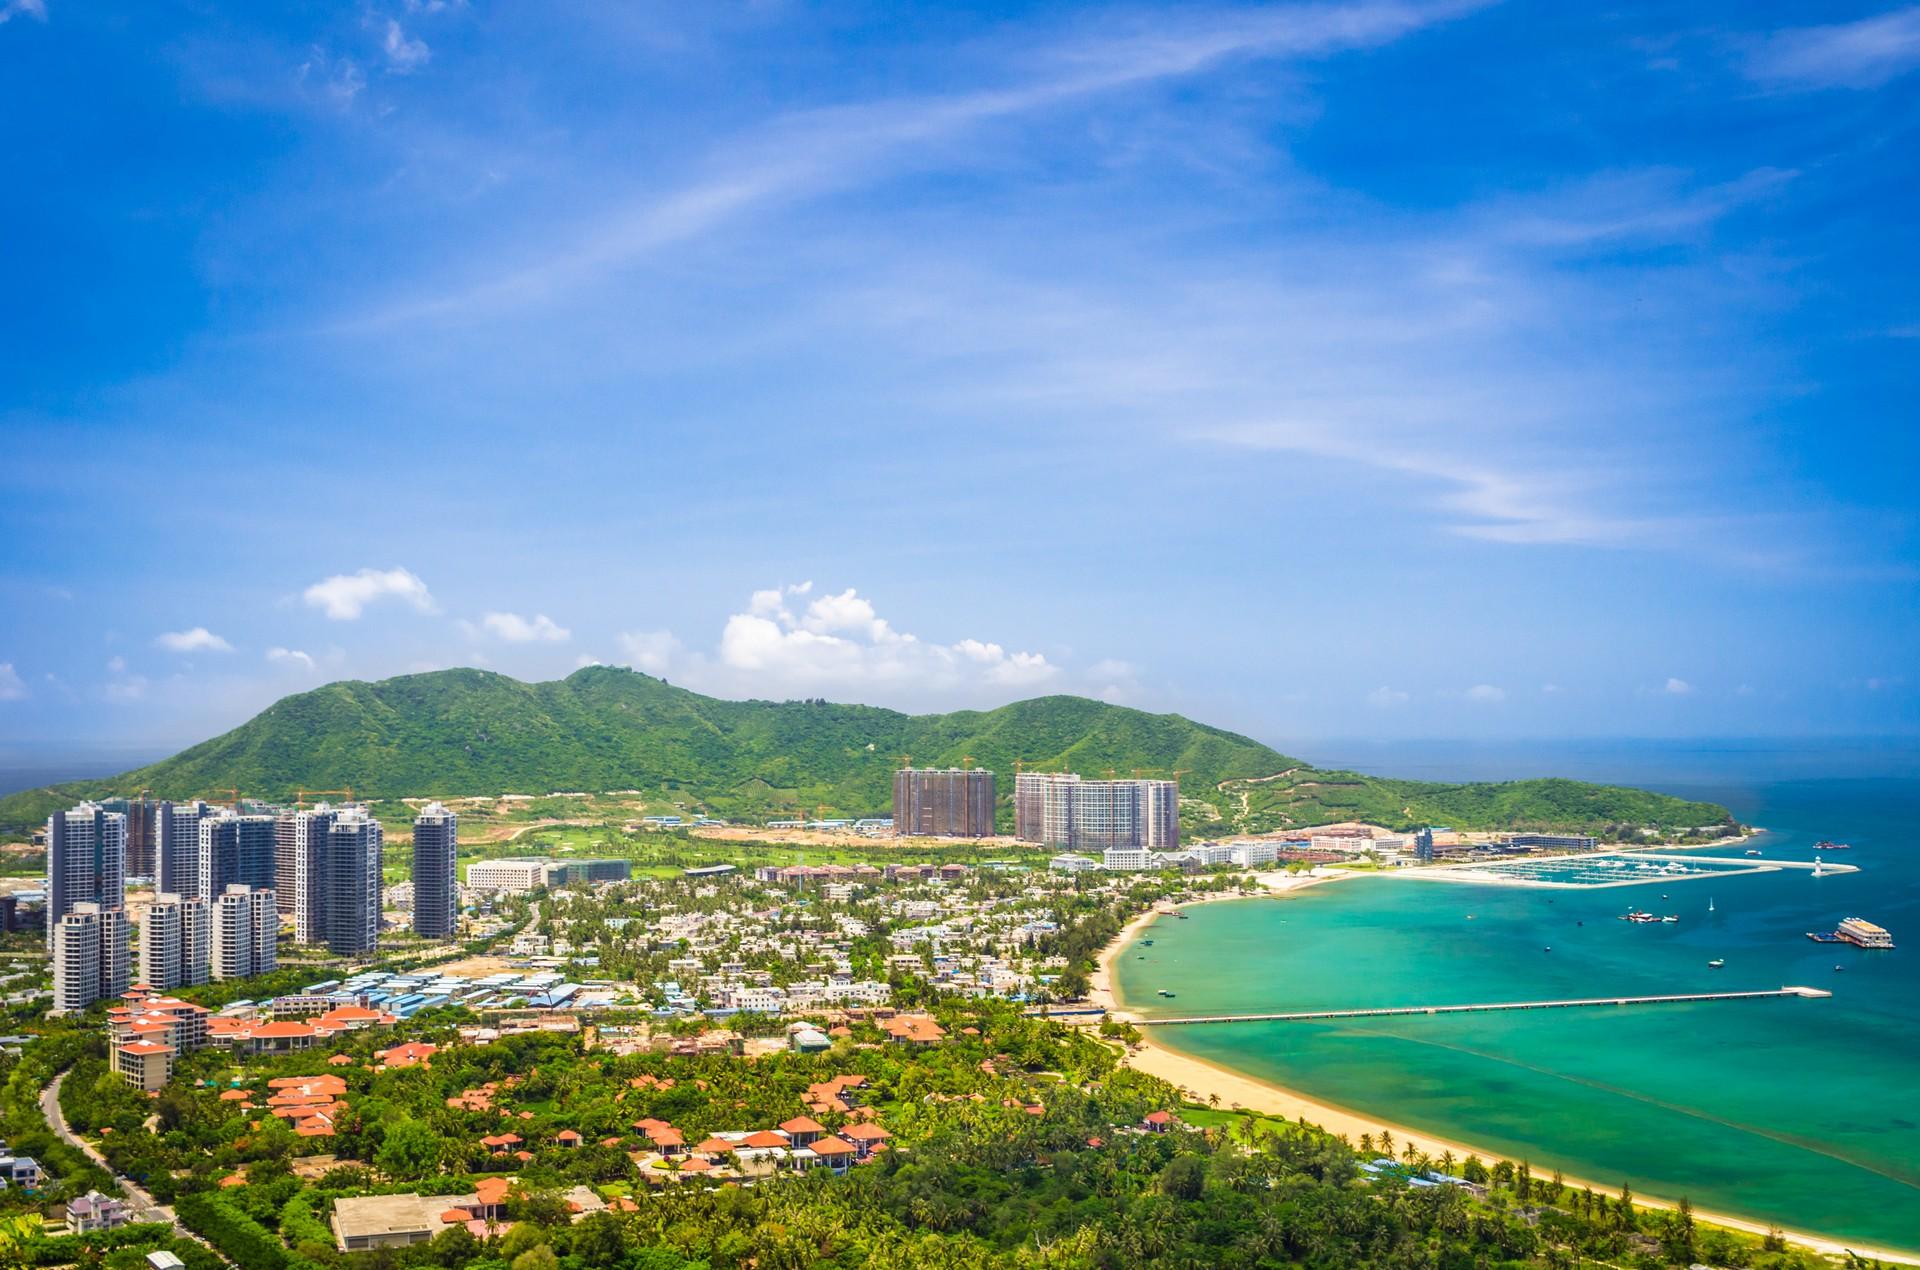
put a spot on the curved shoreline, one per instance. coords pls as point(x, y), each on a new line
point(1201, 1077)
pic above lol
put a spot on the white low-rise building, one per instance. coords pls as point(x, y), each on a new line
point(1068, 862)
point(1125, 859)
point(1253, 855)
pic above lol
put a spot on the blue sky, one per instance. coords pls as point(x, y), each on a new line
point(1356, 369)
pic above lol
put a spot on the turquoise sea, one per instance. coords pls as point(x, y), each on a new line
point(1801, 1112)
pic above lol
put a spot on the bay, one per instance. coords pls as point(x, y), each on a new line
point(1800, 1112)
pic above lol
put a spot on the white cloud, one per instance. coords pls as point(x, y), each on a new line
point(116, 665)
point(1383, 697)
point(1677, 688)
point(12, 9)
point(1550, 690)
point(197, 640)
point(838, 642)
point(519, 630)
point(12, 688)
point(345, 596)
point(1486, 694)
point(652, 651)
point(405, 54)
point(291, 657)
point(1863, 54)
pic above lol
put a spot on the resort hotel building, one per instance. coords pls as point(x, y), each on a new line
point(1062, 810)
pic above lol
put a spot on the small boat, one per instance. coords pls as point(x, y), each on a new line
point(1753, 851)
point(1548, 948)
point(1716, 963)
point(1838, 969)
point(1147, 942)
point(1671, 917)
point(1709, 903)
point(1165, 993)
point(1579, 923)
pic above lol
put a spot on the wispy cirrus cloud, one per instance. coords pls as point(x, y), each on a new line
point(807, 153)
point(12, 687)
point(1866, 53)
point(11, 9)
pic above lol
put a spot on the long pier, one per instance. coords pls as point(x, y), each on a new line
point(1388, 1011)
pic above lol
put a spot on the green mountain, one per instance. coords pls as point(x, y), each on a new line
point(466, 732)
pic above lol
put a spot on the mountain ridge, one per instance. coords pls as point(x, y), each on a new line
point(466, 732)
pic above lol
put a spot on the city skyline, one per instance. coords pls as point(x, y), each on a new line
point(1361, 369)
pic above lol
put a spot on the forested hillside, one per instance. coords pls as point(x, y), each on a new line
point(469, 732)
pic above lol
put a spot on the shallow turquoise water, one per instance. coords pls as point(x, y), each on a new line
point(1802, 1112)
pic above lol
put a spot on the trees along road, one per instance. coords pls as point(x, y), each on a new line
point(146, 1207)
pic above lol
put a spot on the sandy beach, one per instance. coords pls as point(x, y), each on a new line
point(1201, 1079)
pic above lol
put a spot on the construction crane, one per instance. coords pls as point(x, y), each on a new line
point(1176, 773)
point(232, 801)
point(300, 795)
point(905, 760)
point(966, 762)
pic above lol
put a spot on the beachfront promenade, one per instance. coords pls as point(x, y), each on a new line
point(1298, 1016)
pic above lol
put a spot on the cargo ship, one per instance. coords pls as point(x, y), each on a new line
point(1857, 931)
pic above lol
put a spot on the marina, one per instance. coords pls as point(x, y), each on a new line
point(1616, 868)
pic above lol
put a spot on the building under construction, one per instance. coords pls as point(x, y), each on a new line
point(951, 802)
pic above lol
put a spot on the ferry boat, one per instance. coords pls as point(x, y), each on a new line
point(1862, 933)
point(1824, 845)
point(1638, 915)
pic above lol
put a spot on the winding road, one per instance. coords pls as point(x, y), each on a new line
point(145, 1207)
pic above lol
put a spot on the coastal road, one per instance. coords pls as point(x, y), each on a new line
point(145, 1207)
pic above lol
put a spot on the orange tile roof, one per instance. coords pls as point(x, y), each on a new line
point(492, 1190)
point(279, 1030)
point(804, 1124)
point(865, 1133)
point(831, 1145)
point(765, 1138)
